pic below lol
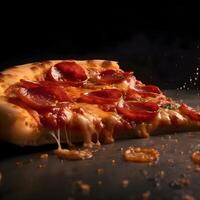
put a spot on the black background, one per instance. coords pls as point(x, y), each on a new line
point(159, 42)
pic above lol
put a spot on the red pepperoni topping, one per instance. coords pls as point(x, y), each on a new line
point(190, 112)
point(39, 95)
point(138, 111)
point(149, 106)
point(67, 72)
point(136, 115)
point(105, 96)
point(112, 76)
point(133, 94)
point(150, 88)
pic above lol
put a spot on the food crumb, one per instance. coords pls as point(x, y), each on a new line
point(169, 137)
point(162, 146)
point(100, 171)
point(84, 187)
point(189, 167)
point(99, 182)
point(188, 197)
point(113, 161)
point(170, 161)
point(44, 156)
point(150, 164)
point(144, 172)
point(19, 163)
point(125, 183)
point(40, 166)
point(184, 181)
point(161, 174)
point(146, 195)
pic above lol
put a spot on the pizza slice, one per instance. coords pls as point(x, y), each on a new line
point(91, 101)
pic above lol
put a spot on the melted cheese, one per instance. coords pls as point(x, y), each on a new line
point(75, 92)
point(74, 154)
point(141, 155)
point(196, 157)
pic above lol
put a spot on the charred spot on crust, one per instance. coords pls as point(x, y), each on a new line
point(34, 68)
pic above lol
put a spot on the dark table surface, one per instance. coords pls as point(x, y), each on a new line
point(23, 175)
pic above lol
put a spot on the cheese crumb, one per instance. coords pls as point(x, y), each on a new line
point(44, 156)
point(84, 187)
point(40, 166)
point(125, 183)
point(19, 163)
point(161, 174)
point(113, 161)
point(100, 171)
point(99, 182)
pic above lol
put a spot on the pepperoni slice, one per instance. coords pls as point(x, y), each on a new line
point(190, 112)
point(29, 84)
point(112, 76)
point(136, 115)
point(149, 106)
point(150, 88)
point(35, 98)
point(106, 96)
point(138, 111)
point(133, 94)
point(68, 72)
point(40, 95)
